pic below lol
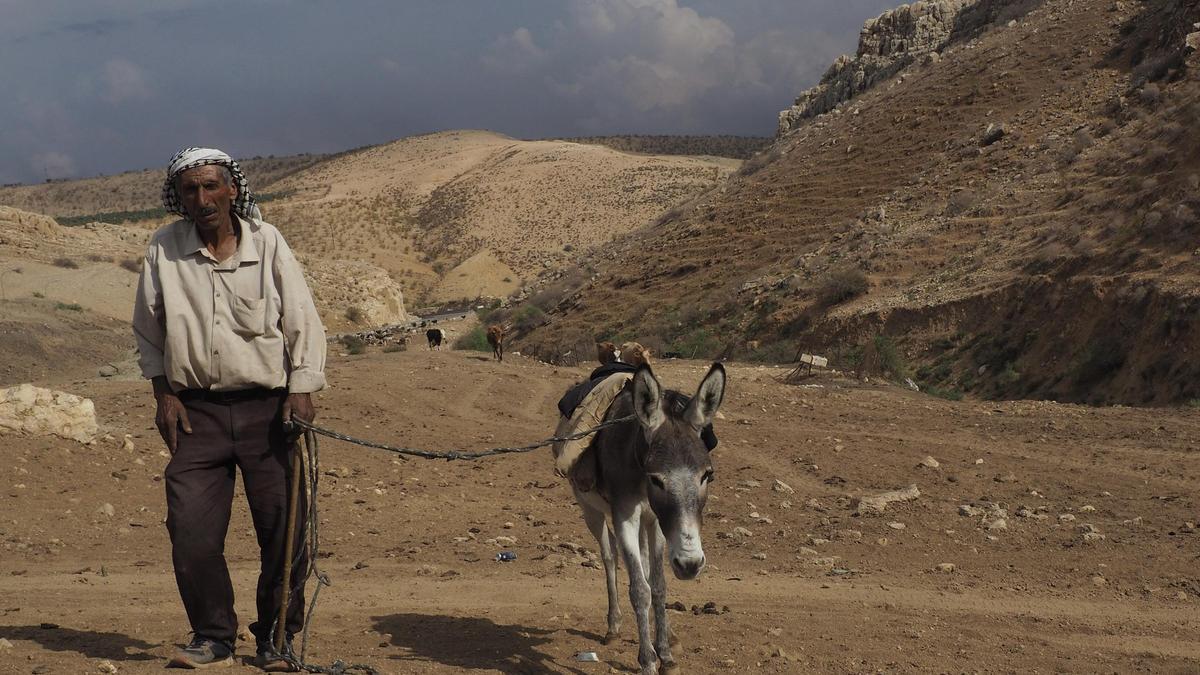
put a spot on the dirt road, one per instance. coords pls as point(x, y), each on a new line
point(803, 586)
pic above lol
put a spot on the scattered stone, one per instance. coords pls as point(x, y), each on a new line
point(1191, 43)
point(871, 506)
point(742, 532)
point(992, 133)
point(759, 556)
point(929, 463)
point(996, 524)
point(946, 568)
point(1099, 581)
point(1066, 518)
point(1181, 595)
point(1024, 512)
point(106, 666)
point(847, 535)
point(896, 526)
point(1087, 508)
point(1090, 533)
point(360, 565)
point(107, 510)
point(969, 511)
point(1006, 478)
point(749, 483)
point(5, 644)
point(127, 444)
point(506, 541)
point(782, 487)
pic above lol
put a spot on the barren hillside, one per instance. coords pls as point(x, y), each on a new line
point(1050, 255)
point(421, 206)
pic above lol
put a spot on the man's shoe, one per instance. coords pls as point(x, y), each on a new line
point(271, 662)
point(202, 653)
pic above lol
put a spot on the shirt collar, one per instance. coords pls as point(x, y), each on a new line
point(247, 252)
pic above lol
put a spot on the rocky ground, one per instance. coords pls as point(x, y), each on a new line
point(1045, 537)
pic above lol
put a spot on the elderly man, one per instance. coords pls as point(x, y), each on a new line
point(230, 338)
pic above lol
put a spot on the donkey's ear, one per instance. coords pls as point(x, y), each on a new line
point(708, 398)
point(647, 399)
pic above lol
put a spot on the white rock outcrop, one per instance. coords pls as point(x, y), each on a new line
point(34, 410)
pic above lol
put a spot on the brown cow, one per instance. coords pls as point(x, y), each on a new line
point(495, 338)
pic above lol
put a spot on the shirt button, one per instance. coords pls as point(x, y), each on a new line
point(218, 294)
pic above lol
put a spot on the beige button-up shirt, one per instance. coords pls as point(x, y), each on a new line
point(247, 321)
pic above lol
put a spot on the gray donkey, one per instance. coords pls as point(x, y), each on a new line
point(653, 476)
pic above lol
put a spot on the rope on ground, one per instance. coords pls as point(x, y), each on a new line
point(310, 459)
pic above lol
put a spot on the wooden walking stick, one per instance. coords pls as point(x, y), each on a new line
point(289, 544)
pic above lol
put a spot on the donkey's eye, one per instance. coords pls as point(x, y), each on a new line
point(707, 477)
point(657, 481)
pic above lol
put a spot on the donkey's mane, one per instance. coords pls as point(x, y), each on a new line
point(675, 403)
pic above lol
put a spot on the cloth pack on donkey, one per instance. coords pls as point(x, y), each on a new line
point(584, 407)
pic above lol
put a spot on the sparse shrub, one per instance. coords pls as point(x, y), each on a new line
point(66, 263)
point(394, 347)
point(890, 360)
point(355, 314)
point(69, 306)
point(950, 394)
point(39, 294)
point(97, 257)
point(132, 264)
point(474, 340)
point(528, 317)
point(841, 285)
point(696, 343)
point(354, 344)
point(1150, 94)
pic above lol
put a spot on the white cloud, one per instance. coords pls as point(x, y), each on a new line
point(124, 80)
point(53, 165)
point(514, 53)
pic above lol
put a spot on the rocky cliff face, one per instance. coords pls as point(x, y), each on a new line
point(890, 42)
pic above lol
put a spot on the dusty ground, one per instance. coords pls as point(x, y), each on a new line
point(416, 588)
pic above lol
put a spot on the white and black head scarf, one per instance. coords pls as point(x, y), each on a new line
point(190, 158)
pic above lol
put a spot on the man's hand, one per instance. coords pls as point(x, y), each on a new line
point(170, 415)
point(298, 407)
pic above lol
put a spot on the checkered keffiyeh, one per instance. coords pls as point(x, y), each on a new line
point(189, 158)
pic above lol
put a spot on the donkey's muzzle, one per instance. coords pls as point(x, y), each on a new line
point(687, 567)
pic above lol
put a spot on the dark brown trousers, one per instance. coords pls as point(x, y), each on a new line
point(242, 430)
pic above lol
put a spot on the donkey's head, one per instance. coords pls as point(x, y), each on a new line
point(678, 468)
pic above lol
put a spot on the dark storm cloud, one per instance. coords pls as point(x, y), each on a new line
point(106, 87)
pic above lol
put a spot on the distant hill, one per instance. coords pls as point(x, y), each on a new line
point(1016, 216)
point(131, 196)
point(736, 147)
point(445, 216)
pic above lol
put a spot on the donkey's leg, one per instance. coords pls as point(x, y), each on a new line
point(596, 523)
point(628, 528)
point(658, 587)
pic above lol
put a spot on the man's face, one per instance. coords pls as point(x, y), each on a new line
point(206, 195)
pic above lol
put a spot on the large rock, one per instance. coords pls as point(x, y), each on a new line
point(29, 409)
point(889, 43)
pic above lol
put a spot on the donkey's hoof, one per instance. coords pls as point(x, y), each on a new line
point(671, 668)
point(609, 638)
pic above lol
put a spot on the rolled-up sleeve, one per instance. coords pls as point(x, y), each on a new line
point(300, 323)
point(149, 326)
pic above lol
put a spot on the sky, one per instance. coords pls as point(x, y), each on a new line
point(91, 88)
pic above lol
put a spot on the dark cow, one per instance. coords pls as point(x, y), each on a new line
point(435, 336)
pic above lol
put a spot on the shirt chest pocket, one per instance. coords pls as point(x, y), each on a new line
point(249, 316)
